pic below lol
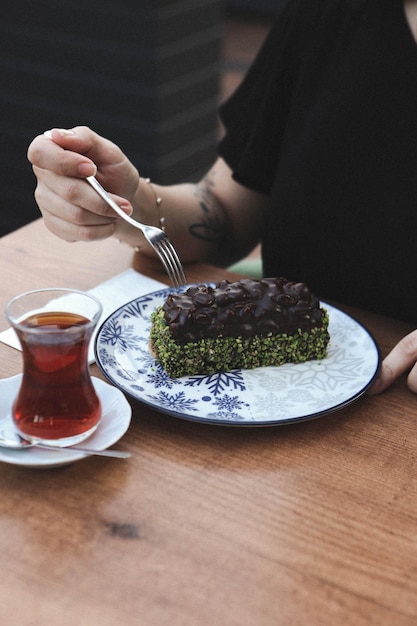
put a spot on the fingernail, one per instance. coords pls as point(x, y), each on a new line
point(87, 169)
point(127, 208)
point(64, 132)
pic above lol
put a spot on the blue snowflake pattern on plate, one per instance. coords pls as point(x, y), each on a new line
point(263, 396)
point(217, 383)
point(121, 335)
point(175, 402)
point(229, 409)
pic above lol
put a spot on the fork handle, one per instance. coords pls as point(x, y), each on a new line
point(105, 196)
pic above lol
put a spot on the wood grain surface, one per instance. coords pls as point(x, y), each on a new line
point(313, 524)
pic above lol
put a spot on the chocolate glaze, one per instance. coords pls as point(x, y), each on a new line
point(244, 308)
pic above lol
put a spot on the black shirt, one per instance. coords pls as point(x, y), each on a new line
point(325, 123)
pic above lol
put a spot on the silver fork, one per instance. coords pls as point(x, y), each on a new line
point(158, 239)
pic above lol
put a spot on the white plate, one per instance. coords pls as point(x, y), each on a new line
point(114, 423)
point(258, 397)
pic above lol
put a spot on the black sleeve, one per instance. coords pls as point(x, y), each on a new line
point(254, 116)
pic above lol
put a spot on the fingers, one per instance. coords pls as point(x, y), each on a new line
point(72, 210)
point(80, 152)
point(68, 219)
point(70, 232)
point(412, 378)
point(61, 160)
point(401, 358)
point(64, 152)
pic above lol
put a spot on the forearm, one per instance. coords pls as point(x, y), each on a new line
point(215, 220)
point(191, 215)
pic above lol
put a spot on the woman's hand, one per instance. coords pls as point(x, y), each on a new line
point(71, 209)
point(401, 358)
point(214, 220)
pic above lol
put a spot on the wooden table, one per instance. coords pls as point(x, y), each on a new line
point(312, 524)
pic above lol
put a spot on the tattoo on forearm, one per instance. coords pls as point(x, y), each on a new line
point(209, 229)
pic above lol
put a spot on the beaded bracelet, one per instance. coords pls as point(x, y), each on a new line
point(158, 202)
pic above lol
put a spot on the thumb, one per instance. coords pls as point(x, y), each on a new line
point(68, 139)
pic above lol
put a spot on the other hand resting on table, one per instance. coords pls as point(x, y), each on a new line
point(402, 358)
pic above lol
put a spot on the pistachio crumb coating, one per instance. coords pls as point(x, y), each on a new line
point(267, 322)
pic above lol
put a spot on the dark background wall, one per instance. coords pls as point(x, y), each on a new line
point(143, 73)
point(256, 7)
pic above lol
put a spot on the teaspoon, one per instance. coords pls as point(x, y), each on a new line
point(15, 442)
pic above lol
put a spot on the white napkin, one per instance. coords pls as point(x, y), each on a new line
point(112, 294)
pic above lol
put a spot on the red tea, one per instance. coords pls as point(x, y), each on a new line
point(57, 399)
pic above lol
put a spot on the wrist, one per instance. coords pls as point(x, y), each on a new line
point(148, 204)
point(157, 201)
point(147, 209)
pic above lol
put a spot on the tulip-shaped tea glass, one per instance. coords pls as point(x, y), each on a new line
point(56, 402)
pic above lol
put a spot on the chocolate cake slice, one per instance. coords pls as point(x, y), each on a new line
point(238, 325)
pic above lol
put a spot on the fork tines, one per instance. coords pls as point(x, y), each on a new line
point(171, 262)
